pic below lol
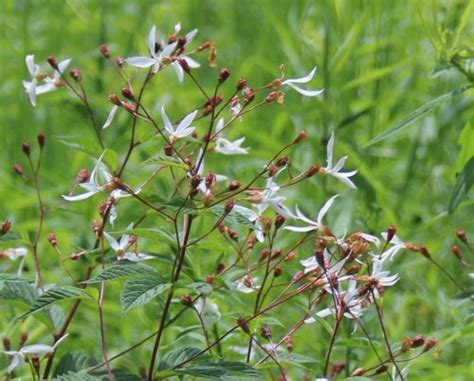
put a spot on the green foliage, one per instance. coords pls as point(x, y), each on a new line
point(140, 291)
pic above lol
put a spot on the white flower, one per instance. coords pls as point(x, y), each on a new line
point(184, 126)
point(32, 88)
point(156, 58)
point(111, 116)
point(271, 198)
point(383, 277)
point(335, 170)
point(17, 358)
point(227, 147)
point(207, 310)
point(121, 247)
point(247, 284)
point(397, 245)
point(312, 225)
point(307, 93)
point(253, 217)
point(14, 253)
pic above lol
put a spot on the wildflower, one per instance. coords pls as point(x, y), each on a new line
point(335, 170)
point(14, 253)
point(247, 284)
point(32, 88)
point(18, 358)
point(270, 198)
point(183, 128)
point(397, 245)
point(312, 225)
point(253, 217)
point(121, 247)
point(227, 147)
point(381, 278)
point(188, 60)
point(307, 93)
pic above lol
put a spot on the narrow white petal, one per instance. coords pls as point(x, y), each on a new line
point(137, 257)
point(80, 196)
point(38, 349)
point(166, 121)
point(190, 35)
point(30, 64)
point(141, 62)
point(325, 209)
point(329, 149)
point(112, 242)
point(61, 67)
point(305, 79)
point(152, 40)
point(111, 116)
point(191, 63)
point(179, 71)
point(187, 120)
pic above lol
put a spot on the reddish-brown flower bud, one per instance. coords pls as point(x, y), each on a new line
point(6, 226)
point(82, 175)
point(233, 185)
point(26, 149)
point(424, 251)
point(209, 180)
point(7, 344)
point(337, 368)
point(51, 237)
point(114, 99)
point(391, 231)
point(301, 136)
point(223, 75)
point(127, 93)
point(184, 64)
point(417, 341)
point(272, 169)
point(273, 96)
point(298, 276)
point(456, 251)
point(18, 169)
point(210, 278)
point(277, 253)
point(289, 343)
point(75, 74)
point(461, 234)
point(241, 84)
point(204, 46)
point(229, 205)
point(195, 181)
point(381, 369)
point(311, 171)
point(104, 49)
point(35, 361)
point(232, 234)
point(242, 323)
point(96, 227)
point(119, 61)
point(319, 255)
point(289, 256)
point(430, 343)
point(251, 241)
point(264, 254)
point(277, 271)
point(279, 221)
point(168, 149)
point(74, 257)
point(52, 61)
point(354, 269)
point(186, 300)
point(282, 161)
point(406, 345)
point(41, 139)
point(23, 339)
point(249, 95)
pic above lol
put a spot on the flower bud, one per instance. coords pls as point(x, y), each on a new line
point(220, 267)
point(417, 341)
point(251, 241)
point(168, 149)
point(233, 185)
point(320, 259)
point(26, 148)
point(264, 254)
point(223, 75)
point(210, 279)
point(298, 276)
point(209, 180)
point(7, 344)
point(114, 99)
point(184, 64)
point(6, 226)
point(266, 332)
point(381, 369)
point(336, 369)
point(456, 251)
point(241, 84)
point(23, 339)
point(104, 49)
point(18, 169)
point(195, 181)
point(272, 97)
point(279, 221)
point(51, 237)
point(186, 300)
point(354, 269)
point(430, 343)
point(249, 95)
point(229, 205)
point(119, 61)
point(301, 136)
point(75, 74)
point(289, 343)
point(289, 256)
point(282, 161)
point(127, 93)
point(461, 234)
point(204, 46)
point(391, 231)
point(277, 271)
point(35, 361)
point(311, 171)
point(242, 323)
point(82, 175)
point(359, 372)
point(52, 61)
point(424, 251)
point(74, 257)
point(277, 253)
point(232, 234)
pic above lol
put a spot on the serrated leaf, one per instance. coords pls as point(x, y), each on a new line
point(9, 278)
point(55, 295)
point(19, 291)
point(222, 370)
point(166, 160)
point(153, 234)
point(139, 291)
point(417, 114)
point(201, 287)
point(119, 271)
point(463, 183)
point(9, 236)
point(74, 362)
point(176, 357)
point(81, 376)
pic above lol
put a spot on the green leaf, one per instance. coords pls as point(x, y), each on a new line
point(53, 296)
point(119, 271)
point(417, 114)
point(201, 287)
point(222, 370)
point(465, 140)
point(373, 75)
point(10, 236)
point(155, 234)
point(9, 278)
point(141, 290)
point(176, 357)
point(22, 292)
point(166, 160)
point(462, 186)
point(74, 362)
point(82, 376)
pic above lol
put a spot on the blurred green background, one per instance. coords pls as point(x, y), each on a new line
point(378, 61)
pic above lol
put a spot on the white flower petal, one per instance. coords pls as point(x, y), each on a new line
point(111, 116)
point(141, 62)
